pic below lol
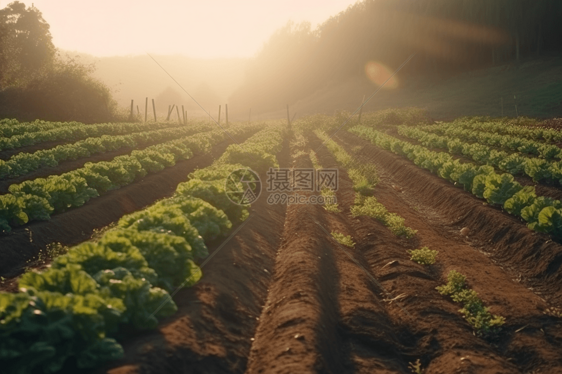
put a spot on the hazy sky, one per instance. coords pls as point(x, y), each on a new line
point(203, 28)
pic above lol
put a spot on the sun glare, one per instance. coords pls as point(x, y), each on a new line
point(379, 74)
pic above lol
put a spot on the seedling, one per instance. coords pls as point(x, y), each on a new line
point(329, 195)
point(423, 256)
point(343, 239)
point(474, 311)
point(416, 367)
point(554, 312)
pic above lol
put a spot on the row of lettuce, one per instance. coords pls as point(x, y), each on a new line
point(74, 131)
point(541, 170)
point(25, 162)
point(542, 214)
point(39, 198)
point(508, 143)
point(74, 313)
point(364, 177)
point(10, 127)
point(484, 124)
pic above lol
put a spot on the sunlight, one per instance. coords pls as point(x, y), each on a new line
point(379, 73)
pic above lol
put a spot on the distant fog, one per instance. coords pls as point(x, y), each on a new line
point(210, 82)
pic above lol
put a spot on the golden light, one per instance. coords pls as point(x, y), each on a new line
point(378, 74)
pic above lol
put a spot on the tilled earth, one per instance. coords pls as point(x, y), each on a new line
point(282, 296)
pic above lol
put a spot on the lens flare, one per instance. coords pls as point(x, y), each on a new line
point(378, 74)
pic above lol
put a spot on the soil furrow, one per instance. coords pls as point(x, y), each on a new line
point(299, 327)
point(417, 311)
point(212, 331)
point(504, 238)
point(520, 306)
point(78, 224)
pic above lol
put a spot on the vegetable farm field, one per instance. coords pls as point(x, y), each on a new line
point(389, 244)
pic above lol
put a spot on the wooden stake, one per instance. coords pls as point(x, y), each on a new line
point(154, 110)
point(183, 114)
point(226, 112)
point(288, 117)
point(131, 116)
point(178, 111)
point(138, 111)
point(361, 109)
point(219, 115)
point(170, 112)
point(146, 110)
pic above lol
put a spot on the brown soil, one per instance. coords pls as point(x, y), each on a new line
point(212, 331)
point(78, 224)
point(522, 268)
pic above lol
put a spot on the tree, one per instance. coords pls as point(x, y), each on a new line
point(26, 44)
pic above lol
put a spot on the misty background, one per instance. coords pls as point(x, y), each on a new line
point(475, 57)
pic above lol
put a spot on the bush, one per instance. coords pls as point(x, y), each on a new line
point(64, 92)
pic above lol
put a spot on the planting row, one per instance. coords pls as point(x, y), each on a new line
point(506, 142)
point(73, 313)
point(541, 213)
point(483, 125)
point(76, 131)
point(39, 198)
point(364, 178)
point(11, 127)
point(540, 169)
point(23, 163)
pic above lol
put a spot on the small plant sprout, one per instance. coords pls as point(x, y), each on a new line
point(416, 367)
point(329, 200)
point(423, 256)
point(553, 312)
point(343, 239)
point(473, 311)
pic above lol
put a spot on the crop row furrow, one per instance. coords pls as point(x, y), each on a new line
point(75, 309)
point(24, 162)
point(542, 214)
